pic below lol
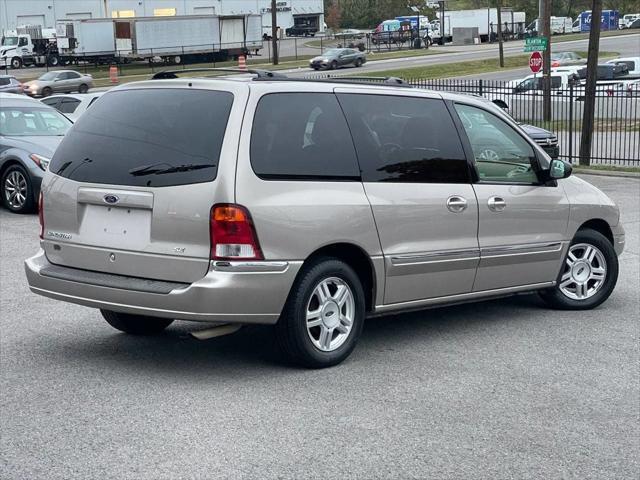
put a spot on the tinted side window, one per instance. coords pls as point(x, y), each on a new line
point(52, 102)
point(176, 133)
point(302, 136)
point(68, 105)
point(405, 139)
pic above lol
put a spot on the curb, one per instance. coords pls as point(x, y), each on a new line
point(606, 173)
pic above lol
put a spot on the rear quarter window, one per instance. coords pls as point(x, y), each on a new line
point(159, 128)
point(300, 136)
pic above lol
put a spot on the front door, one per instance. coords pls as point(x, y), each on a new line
point(522, 222)
point(417, 180)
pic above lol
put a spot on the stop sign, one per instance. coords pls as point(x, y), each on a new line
point(535, 62)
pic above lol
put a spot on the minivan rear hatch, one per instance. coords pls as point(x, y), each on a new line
point(135, 179)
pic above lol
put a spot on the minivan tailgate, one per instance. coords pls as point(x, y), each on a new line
point(161, 234)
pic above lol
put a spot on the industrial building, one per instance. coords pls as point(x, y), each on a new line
point(14, 13)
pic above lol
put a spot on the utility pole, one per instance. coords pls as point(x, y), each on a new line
point(546, 61)
point(500, 46)
point(590, 88)
point(274, 31)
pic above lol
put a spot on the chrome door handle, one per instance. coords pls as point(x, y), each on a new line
point(497, 204)
point(456, 204)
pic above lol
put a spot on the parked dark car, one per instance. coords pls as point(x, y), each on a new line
point(338, 57)
point(30, 132)
point(547, 140)
point(301, 31)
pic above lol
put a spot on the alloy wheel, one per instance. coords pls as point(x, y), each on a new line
point(15, 189)
point(489, 155)
point(585, 272)
point(330, 314)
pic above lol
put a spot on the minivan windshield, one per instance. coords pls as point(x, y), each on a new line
point(147, 137)
point(29, 121)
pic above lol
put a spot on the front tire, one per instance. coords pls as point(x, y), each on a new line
point(46, 91)
point(17, 190)
point(588, 274)
point(83, 88)
point(323, 318)
point(334, 65)
point(135, 324)
point(16, 63)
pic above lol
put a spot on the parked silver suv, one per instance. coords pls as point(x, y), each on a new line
point(310, 205)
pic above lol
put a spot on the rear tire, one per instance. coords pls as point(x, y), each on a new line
point(324, 314)
point(135, 324)
point(590, 278)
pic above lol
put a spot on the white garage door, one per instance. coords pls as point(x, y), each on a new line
point(30, 20)
point(79, 15)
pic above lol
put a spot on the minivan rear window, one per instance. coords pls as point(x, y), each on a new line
point(147, 137)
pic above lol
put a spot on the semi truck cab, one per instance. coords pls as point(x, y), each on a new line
point(18, 49)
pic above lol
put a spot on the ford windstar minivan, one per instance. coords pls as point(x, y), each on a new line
point(310, 205)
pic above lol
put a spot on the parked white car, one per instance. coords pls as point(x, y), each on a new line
point(72, 105)
point(627, 20)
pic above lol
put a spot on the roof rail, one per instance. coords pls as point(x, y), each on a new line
point(269, 75)
point(386, 80)
point(381, 81)
point(262, 74)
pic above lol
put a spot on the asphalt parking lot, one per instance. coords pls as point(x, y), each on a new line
point(501, 389)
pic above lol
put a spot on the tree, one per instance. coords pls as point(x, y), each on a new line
point(333, 17)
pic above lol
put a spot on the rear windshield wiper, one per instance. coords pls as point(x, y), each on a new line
point(154, 170)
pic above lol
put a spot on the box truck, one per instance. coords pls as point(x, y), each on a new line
point(559, 25)
point(608, 21)
point(172, 39)
point(485, 19)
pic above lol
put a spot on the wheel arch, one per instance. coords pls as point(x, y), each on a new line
point(600, 226)
point(356, 258)
point(4, 166)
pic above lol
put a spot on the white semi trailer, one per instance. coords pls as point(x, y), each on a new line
point(173, 39)
point(485, 19)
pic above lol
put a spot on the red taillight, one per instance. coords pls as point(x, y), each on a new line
point(41, 214)
point(233, 236)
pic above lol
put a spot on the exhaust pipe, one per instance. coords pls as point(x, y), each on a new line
point(217, 331)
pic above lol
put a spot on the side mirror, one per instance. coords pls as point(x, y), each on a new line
point(560, 169)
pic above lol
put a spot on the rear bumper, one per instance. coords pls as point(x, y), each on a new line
point(231, 292)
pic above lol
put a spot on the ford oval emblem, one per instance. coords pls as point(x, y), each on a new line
point(111, 199)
